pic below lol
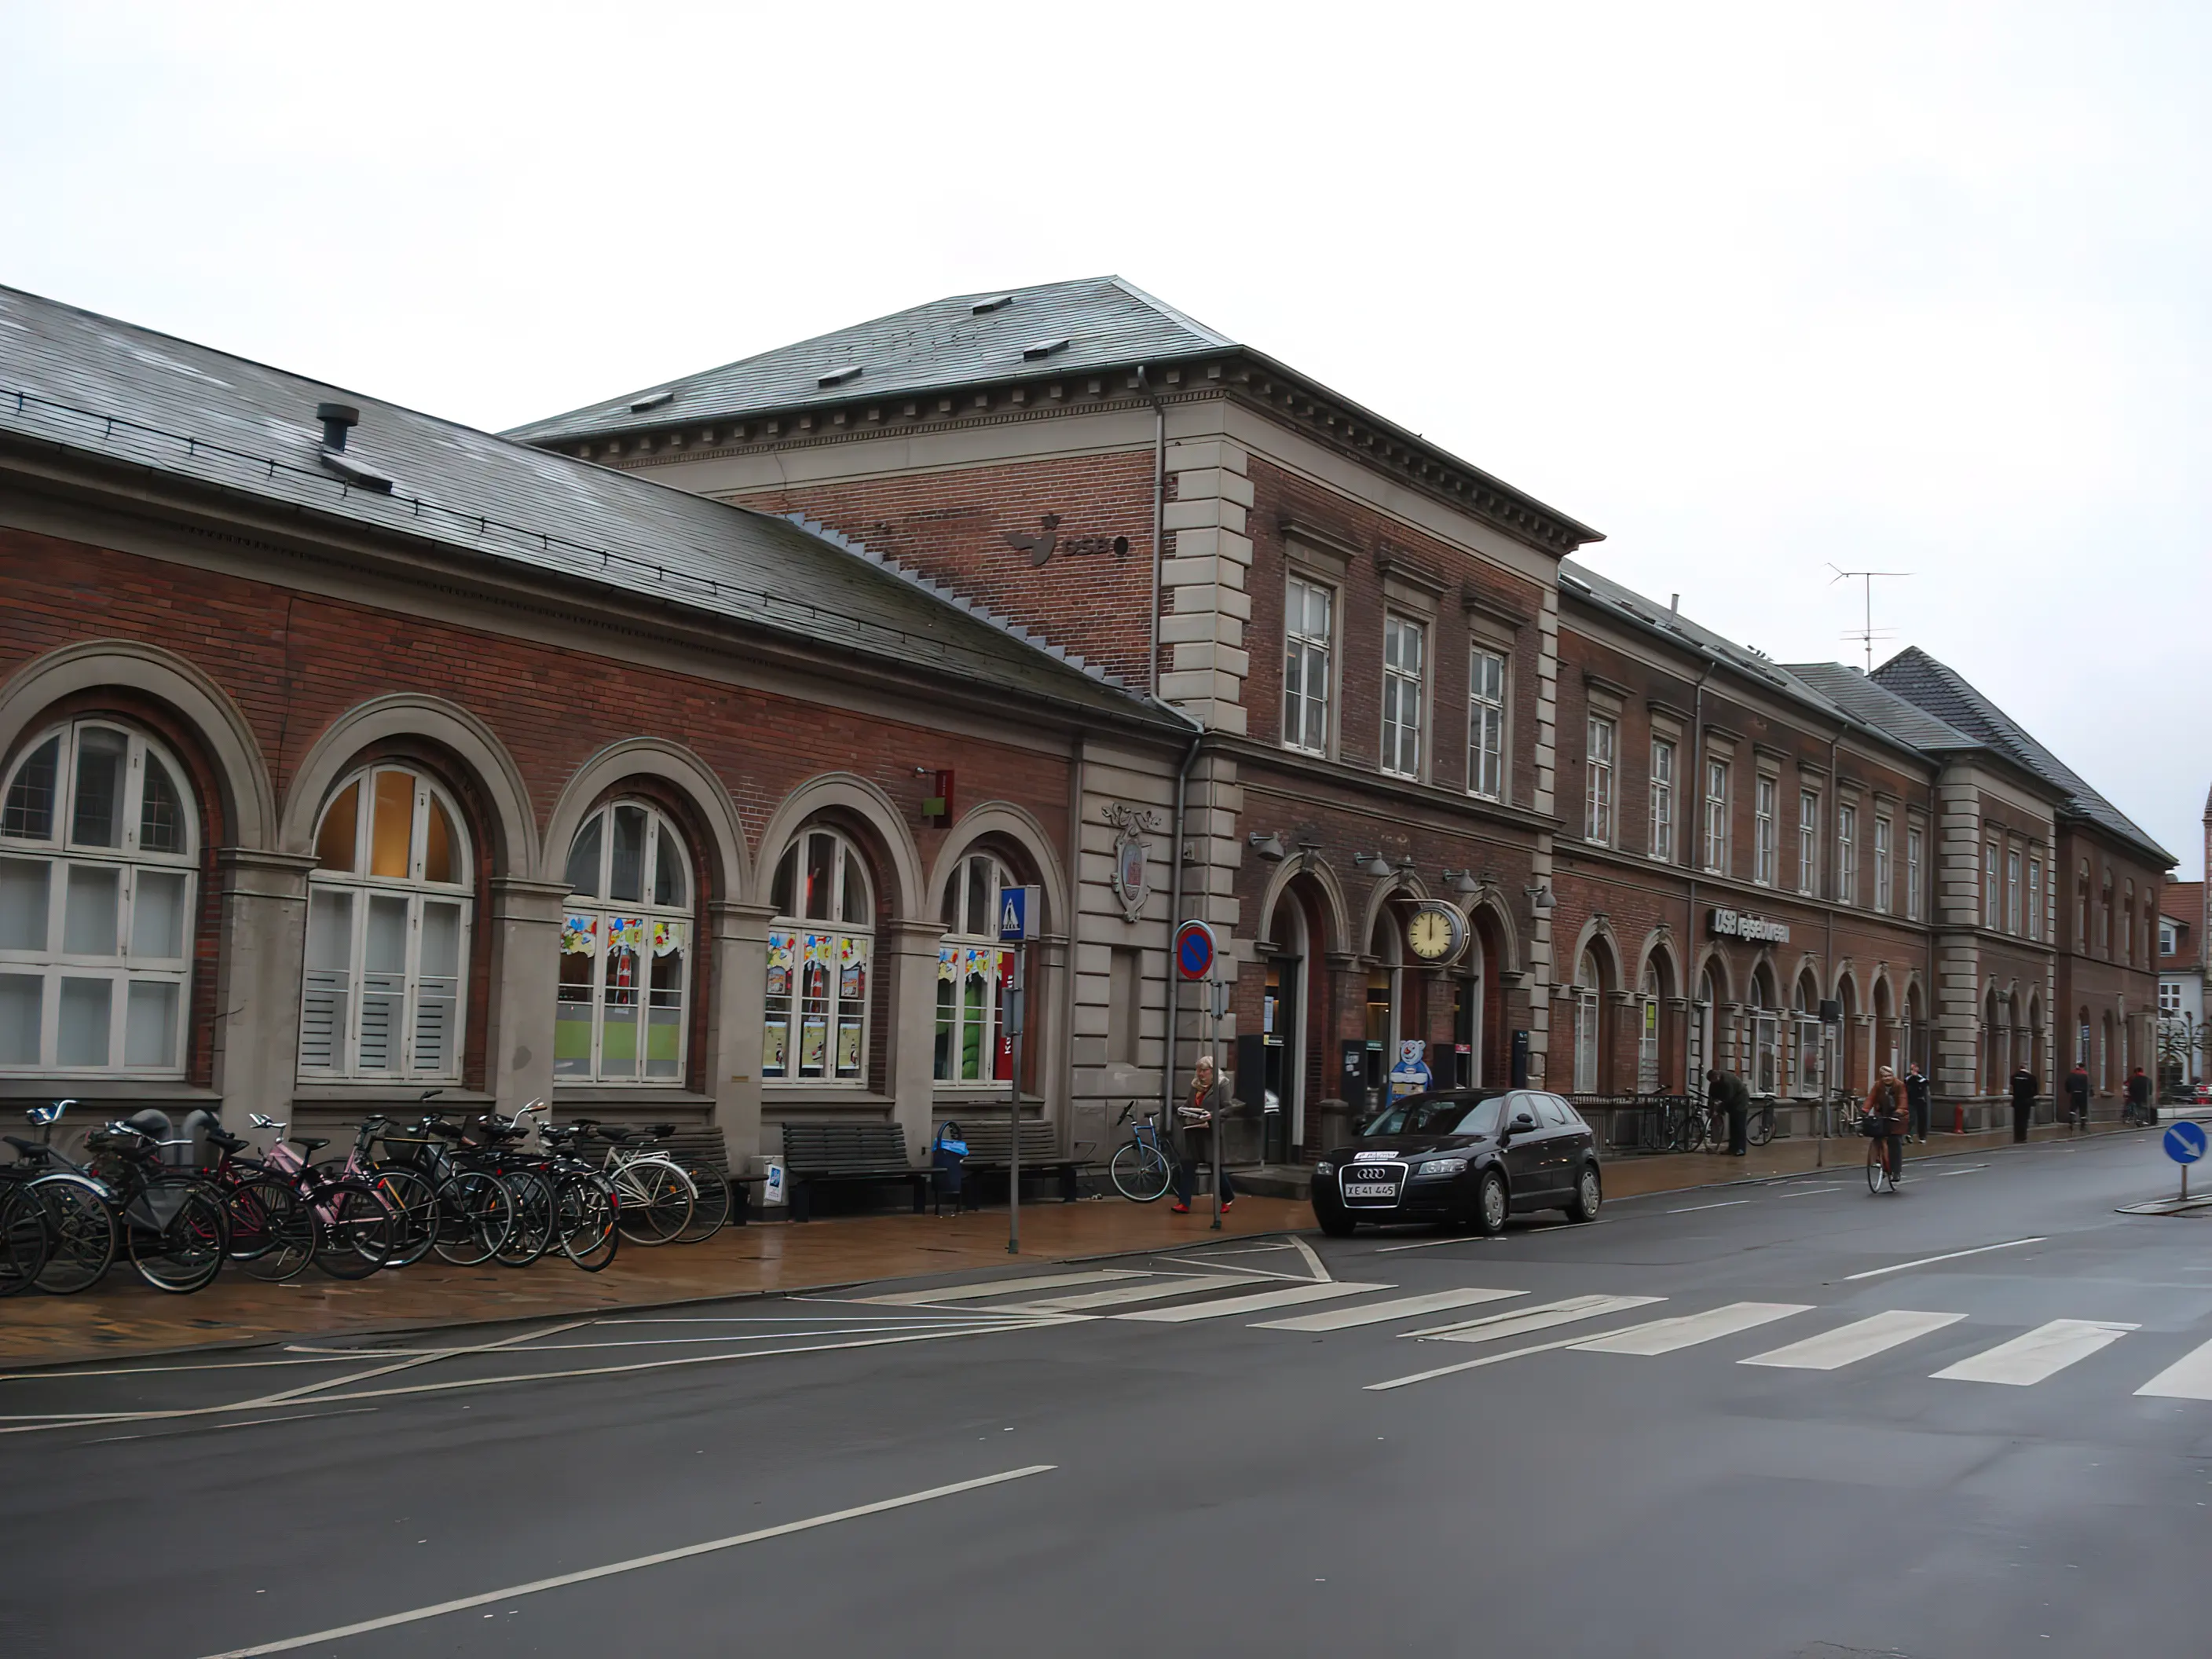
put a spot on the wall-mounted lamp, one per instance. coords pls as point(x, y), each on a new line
point(1539, 898)
point(1373, 864)
point(1269, 846)
point(1463, 882)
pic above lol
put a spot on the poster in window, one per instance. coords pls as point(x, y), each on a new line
point(848, 1047)
point(813, 1044)
point(779, 964)
point(626, 931)
point(579, 935)
point(668, 937)
point(851, 968)
point(775, 1048)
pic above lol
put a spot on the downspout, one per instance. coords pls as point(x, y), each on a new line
point(1159, 516)
point(1696, 829)
point(1174, 918)
point(1829, 860)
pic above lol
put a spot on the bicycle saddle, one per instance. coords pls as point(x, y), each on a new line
point(28, 1148)
point(308, 1143)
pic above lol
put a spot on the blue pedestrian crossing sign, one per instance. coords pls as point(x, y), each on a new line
point(1019, 910)
point(2185, 1142)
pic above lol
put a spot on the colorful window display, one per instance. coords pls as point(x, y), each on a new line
point(820, 949)
point(625, 950)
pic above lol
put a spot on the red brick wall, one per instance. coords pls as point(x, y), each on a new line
point(952, 525)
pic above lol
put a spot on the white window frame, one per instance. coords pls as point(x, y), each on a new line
point(1405, 655)
point(1661, 842)
point(604, 938)
point(2034, 897)
point(1847, 853)
point(1884, 869)
point(1716, 849)
point(335, 1002)
point(128, 869)
point(1808, 843)
point(1647, 1034)
point(2012, 890)
point(1763, 849)
point(838, 943)
point(1601, 733)
point(1308, 656)
point(1989, 896)
point(1914, 844)
point(1486, 723)
point(969, 957)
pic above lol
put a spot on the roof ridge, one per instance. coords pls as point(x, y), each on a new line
point(1171, 312)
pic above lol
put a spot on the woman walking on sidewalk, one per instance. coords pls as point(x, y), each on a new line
point(1205, 1099)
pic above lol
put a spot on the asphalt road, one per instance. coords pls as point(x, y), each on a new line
point(1584, 1473)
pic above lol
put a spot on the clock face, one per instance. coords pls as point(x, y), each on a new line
point(1435, 932)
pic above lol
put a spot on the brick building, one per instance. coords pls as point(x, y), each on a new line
point(1411, 697)
point(347, 752)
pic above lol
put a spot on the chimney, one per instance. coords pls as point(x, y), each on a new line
point(337, 419)
point(1675, 603)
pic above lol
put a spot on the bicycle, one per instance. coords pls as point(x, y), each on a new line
point(475, 1211)
point(171, 1225)
point(1141, 1168)
point(1759, 1127)
point(1882, 1176)
point(658, 1197)
point(355, 1229)
point(81, 1237)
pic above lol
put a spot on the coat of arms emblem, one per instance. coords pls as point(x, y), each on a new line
point(1132, 862)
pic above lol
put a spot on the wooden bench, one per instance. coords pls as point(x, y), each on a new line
point(704, 1147)
point(854, 1153)
point(989, 1140)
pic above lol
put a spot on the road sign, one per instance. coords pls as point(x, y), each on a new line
point(2185, 1142)
point(1018, 909)
point(1193, 950)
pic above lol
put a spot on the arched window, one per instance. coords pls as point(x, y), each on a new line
point(972, 976)
point(389, 907)
point(1647, 1031)
point(819, 949)
point(625, 950)
point(1766, 1037)
point(2105, 917)
point(1586, 998)
point(1805, 1079)
point(97, 888)
point(1704, 1056)
point(2128, 938)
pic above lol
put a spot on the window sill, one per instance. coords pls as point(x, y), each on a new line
point(628, 1094)
point(382, 1091)
point(46, 1087)
point(775, 1096)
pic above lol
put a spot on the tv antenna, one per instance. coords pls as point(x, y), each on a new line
point(1868, 635)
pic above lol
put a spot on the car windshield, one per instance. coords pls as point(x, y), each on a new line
point(1436, 1115)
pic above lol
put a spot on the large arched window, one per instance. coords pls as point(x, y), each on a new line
point(389, 908)
point(1766, 1037)
point(97, 885)
point(819, 949)
point(1806, 1050)
point(1588, 994)
point(973, 973)
point(625, 950)
point(1647, 1031)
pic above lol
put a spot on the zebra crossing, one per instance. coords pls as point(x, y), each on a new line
point(1473, 1317)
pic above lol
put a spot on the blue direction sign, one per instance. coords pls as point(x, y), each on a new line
point(2185, 1142)
point(1193, 950)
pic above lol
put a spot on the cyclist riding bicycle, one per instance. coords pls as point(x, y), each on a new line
point(1885, 1123)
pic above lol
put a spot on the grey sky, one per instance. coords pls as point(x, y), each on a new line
point(1750, 289)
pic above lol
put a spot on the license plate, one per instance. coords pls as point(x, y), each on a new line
point(1370, 1190)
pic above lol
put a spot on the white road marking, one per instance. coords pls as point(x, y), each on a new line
point(1377, 1313)
point(406, 1364)
point(2189, 1377)
point(1313, 1260)
point(1434, 1243)
point(1807, 1192)
point(415, 1615)
point(217, 1365)
point(1495, 1327)
point(1948, 1255)
point(2042, 1352)
point(1470, 1364)
point(998, 1287)
point(1113, 1297)
point(1944, 1175)
point(1228, 1307)
point(1848, 1343)
point(249, 1423)
point(1726, 1204)
point(1688, 1330)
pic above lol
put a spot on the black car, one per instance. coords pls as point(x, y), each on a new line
point(1464, 1157)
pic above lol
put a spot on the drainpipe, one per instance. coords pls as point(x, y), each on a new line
point(1695, 828)
point(1835, 794)
point(1159, 515)
point(1175, 917)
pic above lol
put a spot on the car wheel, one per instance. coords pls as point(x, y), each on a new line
point(1335, 1223)
point(1490, 1204)
point(1589, 1193)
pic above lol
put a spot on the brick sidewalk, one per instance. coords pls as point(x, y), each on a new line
point(123, 1317)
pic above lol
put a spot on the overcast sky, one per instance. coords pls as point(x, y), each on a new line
point(1754, 290)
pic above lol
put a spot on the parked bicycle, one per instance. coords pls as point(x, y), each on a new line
point(169, 1223)
point(1141, 1168)
point(1758, 1127)
point(285, 1212)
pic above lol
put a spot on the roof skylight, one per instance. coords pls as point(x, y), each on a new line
point(1045, 348)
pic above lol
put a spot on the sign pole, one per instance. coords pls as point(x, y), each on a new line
point(1214, 1048)
point(1014, 1105)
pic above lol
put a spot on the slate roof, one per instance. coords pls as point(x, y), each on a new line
point(1944, 692)
point(1878, 706)
point(1105, 323)
point(91, 385)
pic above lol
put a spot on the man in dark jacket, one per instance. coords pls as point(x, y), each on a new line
point(1916, 1098)
point(2023, 1101)
point(2077, 1096)
point(2139, 1106)
point(1727, 1092)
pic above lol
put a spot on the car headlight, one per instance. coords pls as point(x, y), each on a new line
point(1442, 1166)
point(1324, 1168)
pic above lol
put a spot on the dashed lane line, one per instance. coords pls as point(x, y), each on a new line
point(1948, 1255)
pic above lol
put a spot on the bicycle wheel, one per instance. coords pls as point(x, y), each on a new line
point(354, 1231)
point(1877, 1171)
point(710, 1210)
point(414, 1205)
point(653, 1201)
point(531, 1235)
point(475, 1211)
point(585, 1206)
point(273, 1231)
point(1761, 1128)
point(176, 1234)
point(26, 1241)
point(82, 1232)
point(1140, 1173)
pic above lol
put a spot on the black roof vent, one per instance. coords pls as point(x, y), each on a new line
point(355, 473)
point(996, 302)
point(338, 420)
point(1045, 348)
point(839, 376)
point(652, 400)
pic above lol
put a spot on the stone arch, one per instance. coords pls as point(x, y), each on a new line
point(1486, 904)
point(1398, 884)
point(1009, 824)
point(1712, 960)
point(1658, 949)
point(250, 799)
point(1611, 960)
point(513, 827)
point(866, 804)
point(672, 763)
point(1334, 912)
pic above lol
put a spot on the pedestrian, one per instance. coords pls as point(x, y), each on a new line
point(1198, 1116)
point(1885, 1111)
point(2077, 1096)
point(1726, 1091)
point(2023, 1101)
point(2139, 1107)
point(1916, 1097)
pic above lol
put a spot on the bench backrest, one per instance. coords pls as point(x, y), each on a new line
point(694, 1148)
point(831, 1148)
point(987, 1140)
